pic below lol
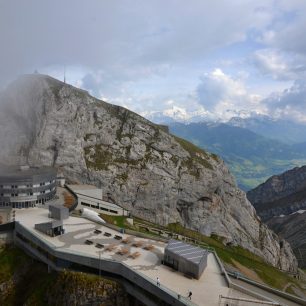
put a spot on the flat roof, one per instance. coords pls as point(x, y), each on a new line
point(58, 207)
point(8, 173)
point(76, 187)
point(187, 251)
point(52, 224)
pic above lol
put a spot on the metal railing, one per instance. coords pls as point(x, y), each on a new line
point(233, 301)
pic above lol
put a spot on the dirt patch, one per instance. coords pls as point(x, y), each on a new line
point(247, 272)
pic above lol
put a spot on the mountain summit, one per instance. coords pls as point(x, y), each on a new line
point(153, 174)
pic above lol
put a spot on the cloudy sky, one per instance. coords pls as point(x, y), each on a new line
point(212, 58)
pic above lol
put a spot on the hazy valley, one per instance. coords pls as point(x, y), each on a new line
point(251, 157)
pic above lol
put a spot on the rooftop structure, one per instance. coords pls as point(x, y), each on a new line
point(58, 212)
point(188, 259)
point(91, 197)
point(24, 186)
point(51, 228)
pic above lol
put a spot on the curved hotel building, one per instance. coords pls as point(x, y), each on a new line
point(23, 187)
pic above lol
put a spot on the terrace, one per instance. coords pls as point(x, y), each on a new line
point(139, 254)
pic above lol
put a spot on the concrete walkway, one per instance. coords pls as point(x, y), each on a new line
point(205, 291)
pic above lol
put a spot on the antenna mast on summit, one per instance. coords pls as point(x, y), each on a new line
point(65, 74)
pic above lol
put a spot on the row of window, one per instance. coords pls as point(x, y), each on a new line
point(18, 204)
point(25, 204)
point(101, 208)
point(26, 194)
point(27, 185)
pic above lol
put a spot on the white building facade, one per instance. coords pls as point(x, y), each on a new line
point(91, 197)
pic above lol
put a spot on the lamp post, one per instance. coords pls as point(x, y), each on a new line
point(100, 263)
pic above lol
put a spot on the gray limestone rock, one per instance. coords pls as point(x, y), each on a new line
point(281, 203)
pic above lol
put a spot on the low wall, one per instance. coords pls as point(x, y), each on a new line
point(138, 234)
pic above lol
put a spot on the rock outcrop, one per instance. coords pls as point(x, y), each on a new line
point(74, 288)
point(155, 175)
point(281, 194)
point(292, 228)
point(281, 203)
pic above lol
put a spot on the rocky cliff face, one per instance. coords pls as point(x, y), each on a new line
point(292, 228)
point(281, 202)
point(74, 288)
point(155, 175)
point(280, 194)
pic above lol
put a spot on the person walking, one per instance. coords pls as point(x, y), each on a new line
point(157, 281)
point(189, 295)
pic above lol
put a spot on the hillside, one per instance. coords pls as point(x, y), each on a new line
point(251, 158)
point(158, 177)
point(281, 202)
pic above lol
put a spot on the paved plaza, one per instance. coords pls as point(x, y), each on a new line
point(144, 255)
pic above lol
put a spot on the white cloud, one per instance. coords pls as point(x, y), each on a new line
point(280, 65)
point(121, 36)
point(219, 93)
point(148, 55)
point(287, 31)
point(291, 103)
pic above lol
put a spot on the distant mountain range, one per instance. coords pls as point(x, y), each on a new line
point(283, 130)
point(251, 157)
